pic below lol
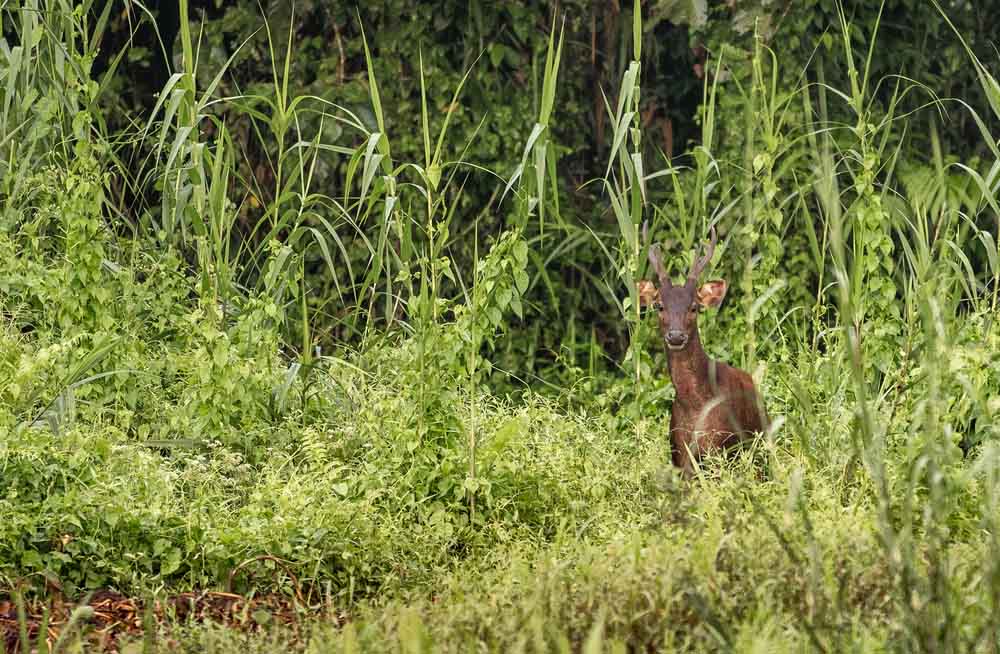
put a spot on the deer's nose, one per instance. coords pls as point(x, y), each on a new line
point(677, 338)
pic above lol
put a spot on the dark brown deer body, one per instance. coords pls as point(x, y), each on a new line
point(716, 405)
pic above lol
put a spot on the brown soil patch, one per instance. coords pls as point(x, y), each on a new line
point(109, 616)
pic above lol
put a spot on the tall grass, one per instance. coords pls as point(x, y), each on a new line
point(444, 516)
point(625, 184)
point(49, 94)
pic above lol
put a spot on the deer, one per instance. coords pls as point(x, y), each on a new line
point(716, 405)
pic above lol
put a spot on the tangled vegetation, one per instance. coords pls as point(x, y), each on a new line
point(345, 322)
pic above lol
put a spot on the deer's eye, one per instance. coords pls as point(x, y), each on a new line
point(694, 307)
point(656, 306)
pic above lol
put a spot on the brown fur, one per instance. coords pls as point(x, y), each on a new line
point(716, 405)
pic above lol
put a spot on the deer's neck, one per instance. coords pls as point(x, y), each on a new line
point(689, 371)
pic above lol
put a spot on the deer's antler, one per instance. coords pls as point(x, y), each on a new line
point(656, 258)
point(698, 264)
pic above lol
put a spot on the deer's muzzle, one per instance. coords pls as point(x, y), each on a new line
point(676, 339)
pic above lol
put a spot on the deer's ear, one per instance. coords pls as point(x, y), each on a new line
point(711, 293)
point(647, 292)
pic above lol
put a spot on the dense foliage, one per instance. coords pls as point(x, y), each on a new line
point(344, 300)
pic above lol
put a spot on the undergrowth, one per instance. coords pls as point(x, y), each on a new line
point(184, 406)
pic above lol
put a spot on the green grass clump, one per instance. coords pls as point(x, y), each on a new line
point(352, 498)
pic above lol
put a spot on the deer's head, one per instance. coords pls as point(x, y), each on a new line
point(678, 306)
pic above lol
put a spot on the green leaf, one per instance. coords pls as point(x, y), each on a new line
point(758, 163)
point(504, 296)
point(434, 175)
point(515, 305)
point(171, 562)
point(496, 51)
point(521, 280)
point(521, 252)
